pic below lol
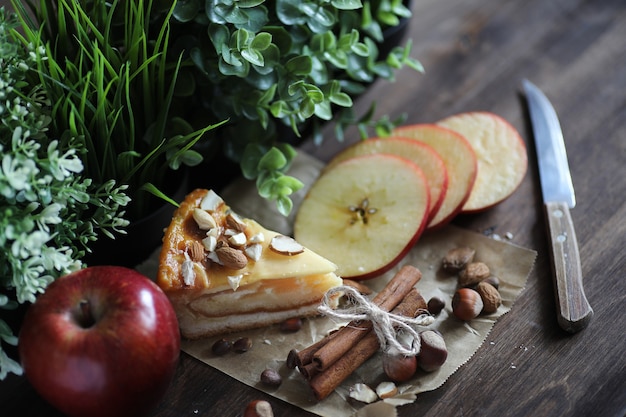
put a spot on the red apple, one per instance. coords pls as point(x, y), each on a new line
point(364, 214)
point(501, 153)
point(421, 154)
point(102, 341)
point(460, 161)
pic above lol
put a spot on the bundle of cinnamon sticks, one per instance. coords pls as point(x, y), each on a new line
point(328, 362)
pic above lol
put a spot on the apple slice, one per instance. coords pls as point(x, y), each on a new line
point(364, 214)
point(419, 153)
point(459, 159)
point(501, 153)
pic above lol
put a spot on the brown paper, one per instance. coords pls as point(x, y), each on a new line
point(510, 263)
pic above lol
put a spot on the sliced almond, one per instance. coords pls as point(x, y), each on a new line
point(211, 201)
point(203, 219)
point(231, 258)
point(286, 245)
point(254, 251)
point(386, 389)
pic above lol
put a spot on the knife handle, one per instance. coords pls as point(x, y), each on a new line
point(573, 309)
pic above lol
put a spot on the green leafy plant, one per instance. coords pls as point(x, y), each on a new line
point(105, 69)
point(275, 68)
point(49, 209)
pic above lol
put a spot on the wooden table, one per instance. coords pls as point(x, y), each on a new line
point(476, 52)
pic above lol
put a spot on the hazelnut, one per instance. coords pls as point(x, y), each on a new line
point(259, 408)
point(291, 325)
point(456, 259)
point(490, 296)
point(221, 347)
point(271, 378)
point(241, 345)
point(473, 273)
point(399, 368)
point(435, 305)
point(466, 304)
point(433, 351)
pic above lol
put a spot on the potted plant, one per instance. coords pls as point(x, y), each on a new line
point(276, 68)
point(105, 69)
point(51, 210)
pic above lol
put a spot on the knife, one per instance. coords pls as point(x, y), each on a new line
point(573, 309)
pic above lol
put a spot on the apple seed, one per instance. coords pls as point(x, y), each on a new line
point(362, 212)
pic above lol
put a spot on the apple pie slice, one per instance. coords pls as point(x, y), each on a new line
point(226, 273)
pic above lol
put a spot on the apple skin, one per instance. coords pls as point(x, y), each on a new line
point(118, 363)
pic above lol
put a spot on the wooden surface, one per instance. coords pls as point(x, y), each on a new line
point(476, 53)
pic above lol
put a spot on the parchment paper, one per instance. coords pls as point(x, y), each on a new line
point(510, 263)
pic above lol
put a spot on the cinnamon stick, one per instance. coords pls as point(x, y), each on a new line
point(327, 381)
point(305, 356)
point(388, 298)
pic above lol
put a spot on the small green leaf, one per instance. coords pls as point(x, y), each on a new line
point(324, 111)
point(252, 56)
point(347, 4)
point(299, 65)
point(186, 11)
point(360, 49)
point(341, 99)
point(219, 36)
point(289, 184)
point(244, 4)
point(249, 163)
point(261, 41)
point(284, 205)
point(306, 108)
point(279, 109)
point(272, 160)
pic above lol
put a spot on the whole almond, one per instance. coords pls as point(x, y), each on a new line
point(490, 296)
point(456, 259)
point(473, 273)
point(196, 251)
point(231, 258)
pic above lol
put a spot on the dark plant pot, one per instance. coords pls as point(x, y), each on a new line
point(143, 236)
point(393, 36)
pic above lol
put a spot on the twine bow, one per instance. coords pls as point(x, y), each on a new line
point(386, 325)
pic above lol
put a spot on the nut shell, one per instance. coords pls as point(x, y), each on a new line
point(473, 273)
point(490, 296)
point(456, 259)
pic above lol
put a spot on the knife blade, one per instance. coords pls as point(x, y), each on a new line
point(573, 310)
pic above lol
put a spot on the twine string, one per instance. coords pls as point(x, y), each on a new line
point(386, 325)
